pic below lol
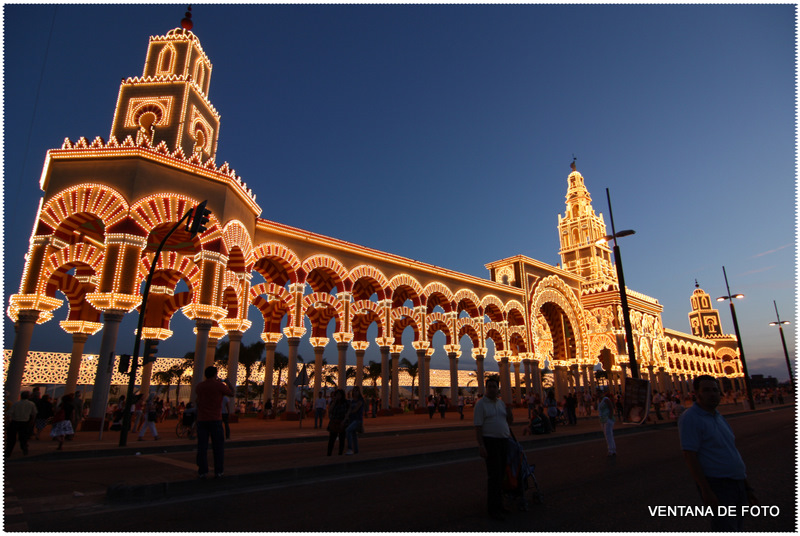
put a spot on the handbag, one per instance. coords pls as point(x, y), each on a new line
point(335, 426)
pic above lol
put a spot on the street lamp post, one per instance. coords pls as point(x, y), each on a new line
point(623, 296)
point(730, 298)
point(783, 340)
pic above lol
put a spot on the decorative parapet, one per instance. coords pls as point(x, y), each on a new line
point(99, 148)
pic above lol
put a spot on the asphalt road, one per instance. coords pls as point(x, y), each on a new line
point(583, 491)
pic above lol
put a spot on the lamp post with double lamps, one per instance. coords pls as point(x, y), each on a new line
point(623, 296)
point(730, 297)
point(783, 340)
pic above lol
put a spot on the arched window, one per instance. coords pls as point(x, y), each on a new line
point(166, 61)
point(200, 73)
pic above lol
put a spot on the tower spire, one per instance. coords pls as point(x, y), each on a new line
point(579, 230)
point(186, 21)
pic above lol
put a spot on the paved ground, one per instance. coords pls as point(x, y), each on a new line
point(95, 471)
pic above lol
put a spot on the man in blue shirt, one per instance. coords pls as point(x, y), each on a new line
point(710, 452)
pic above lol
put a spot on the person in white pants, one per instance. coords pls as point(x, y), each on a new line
point(606, 410)
point(151, 416)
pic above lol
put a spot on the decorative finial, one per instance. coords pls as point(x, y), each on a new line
point(574, 159)
point(696, 285)
point(186, 22)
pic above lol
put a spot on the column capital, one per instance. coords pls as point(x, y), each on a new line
point(235, 324)
point(384, 342)
point(386, 304)
point(344, 296)
point(103, 301)
point(420, 345)
point(156, 333)
point(343, 337)
point(319, 342)
point(200, 324)
point(297, 288)
point(396, 349)
point(360, 346)
point(421, 310)
point(270, 337)
point(294, 332)
point(32, 302)
point(235, 336)
point(80, 327)
point(195, 311)
point(213, 256)
point(80, 337)
point(125, 239)
point(478, 352)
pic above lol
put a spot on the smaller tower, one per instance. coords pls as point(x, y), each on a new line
point(704, 319)
point(579, 230)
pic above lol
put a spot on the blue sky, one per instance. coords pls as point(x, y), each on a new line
point(444, 134)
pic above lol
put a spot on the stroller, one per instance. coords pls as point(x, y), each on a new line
point(519, 484)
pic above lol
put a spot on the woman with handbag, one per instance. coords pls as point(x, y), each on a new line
point(150, 419)
point(337, 413)
point(354, 421)
point(62, 421)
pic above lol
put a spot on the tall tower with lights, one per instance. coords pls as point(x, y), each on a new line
point(578, 231)
point(169, 102)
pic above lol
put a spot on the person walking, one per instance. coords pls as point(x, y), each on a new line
point(62, 421)
point(431, 406)
point(319, 410)
point(354, 421)
point(209, 421)
point(337, 412)
point(461, 406)
point(552, 409)
point(44, 412)
point(21, 417)
point(605, 408)
point(151, 416)
point(492, 419)
point(442, 405)
point(709, 450)
point(226, 415)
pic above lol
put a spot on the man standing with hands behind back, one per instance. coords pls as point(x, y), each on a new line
point(709, 449)
point(209, 421)
point(491, 420)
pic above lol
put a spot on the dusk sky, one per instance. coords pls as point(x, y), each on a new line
point(444, 133)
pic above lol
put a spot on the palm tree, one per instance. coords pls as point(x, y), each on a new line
point(412, 369)
point(164, 377)
point(249, 357)
point(178, 371)
point(372, 372)
point(281, 362)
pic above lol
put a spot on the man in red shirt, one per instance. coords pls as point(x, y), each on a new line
point(209, 421)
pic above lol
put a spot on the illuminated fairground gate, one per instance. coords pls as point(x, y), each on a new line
point(108, 204)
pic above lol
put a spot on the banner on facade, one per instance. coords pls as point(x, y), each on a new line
point(636, 404)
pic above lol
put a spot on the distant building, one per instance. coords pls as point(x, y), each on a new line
point(758, 381)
